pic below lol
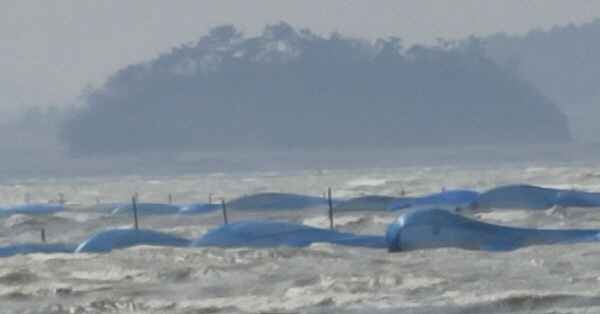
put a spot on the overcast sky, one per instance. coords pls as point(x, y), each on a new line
point(50, 50)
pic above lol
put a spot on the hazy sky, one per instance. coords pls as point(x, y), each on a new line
point(50, 50)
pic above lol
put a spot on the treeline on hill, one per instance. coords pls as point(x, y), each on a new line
point(289, 89)
point(564, 64)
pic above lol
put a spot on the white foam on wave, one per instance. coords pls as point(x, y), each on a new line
point(366, 182)
point(318, 278)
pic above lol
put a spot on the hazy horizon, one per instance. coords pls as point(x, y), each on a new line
point(53, 50)
point(53, 63)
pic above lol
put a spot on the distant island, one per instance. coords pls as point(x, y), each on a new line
point(563, 64)
point(292, 89)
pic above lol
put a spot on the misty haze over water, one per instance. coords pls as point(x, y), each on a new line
point(289, 111)
point(291, 99)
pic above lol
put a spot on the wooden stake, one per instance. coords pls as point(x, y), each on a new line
point(135, 216)
point(224, 211)
point(170, 199)
point(43, 233)
point(330, 208)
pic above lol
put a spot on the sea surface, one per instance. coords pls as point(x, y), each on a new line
point(321, 278)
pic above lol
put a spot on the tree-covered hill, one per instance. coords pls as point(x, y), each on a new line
point(289, 89)
point(564, 64)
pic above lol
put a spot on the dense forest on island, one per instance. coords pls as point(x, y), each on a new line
point(293, 89)
point(564, 64)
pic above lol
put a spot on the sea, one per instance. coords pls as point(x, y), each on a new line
point(321, 278)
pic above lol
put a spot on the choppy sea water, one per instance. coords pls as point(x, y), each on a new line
point(319, 279)
point(344, 183)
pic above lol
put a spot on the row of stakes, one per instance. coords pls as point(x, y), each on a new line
point(63, 201)
point(223, 209)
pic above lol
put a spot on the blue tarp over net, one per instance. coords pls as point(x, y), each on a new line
point(147, 209)
point(27, 248)
point(32, 209)
point(198, 209)
point(437, 228)
point(277, 234)
point(455, 198)
point(575, 198)
point(108, 240)
point(274, 201)
point(518, 196)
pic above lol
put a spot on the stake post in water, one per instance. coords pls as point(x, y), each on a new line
point(135, 216)
point(330, 202)
point(43, 233)
point(224, 208)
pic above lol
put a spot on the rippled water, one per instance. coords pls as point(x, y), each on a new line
point(345, 183)
point(319, 279)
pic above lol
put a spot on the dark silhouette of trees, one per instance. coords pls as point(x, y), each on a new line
point(289, 89)
point(563, 63)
